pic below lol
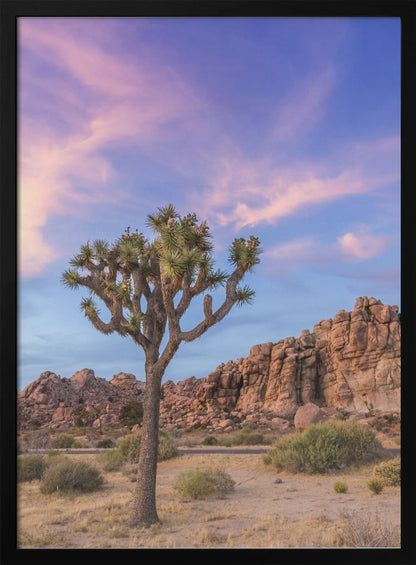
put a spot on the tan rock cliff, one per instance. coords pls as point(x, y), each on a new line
point(350, 363)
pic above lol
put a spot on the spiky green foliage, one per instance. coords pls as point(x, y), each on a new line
point(101, 249)
point(138, 281)
point(89, 308)
point(245, 295)
point(71, 278)
point(245, 253)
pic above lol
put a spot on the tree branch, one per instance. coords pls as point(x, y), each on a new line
point(209, 320)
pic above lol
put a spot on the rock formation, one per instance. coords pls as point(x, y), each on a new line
point(84, 399)
point(349, 364)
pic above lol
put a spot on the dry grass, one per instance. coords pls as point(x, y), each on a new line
point(301, 511)
point(360, 530)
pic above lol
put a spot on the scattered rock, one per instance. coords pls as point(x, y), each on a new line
point(308, 414)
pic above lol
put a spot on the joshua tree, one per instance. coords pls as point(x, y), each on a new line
point(147, 288)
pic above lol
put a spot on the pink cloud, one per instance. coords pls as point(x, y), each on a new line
point(95, 98)
point(295, 250)
point(285, 194)
point(361, 246)
point(250, 192)
point(323, 254)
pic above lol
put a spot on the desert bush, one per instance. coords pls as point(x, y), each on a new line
point(129, 446)
point(54, 453)
point(210, 440)
point(227, 442)
point(111, 460)
point(375, 485)
point(205, 483)
point(30, 467)
point(131, 414)
point(167, 447)
point(389, 472)
point(65, 476)
point(62, 441)
point(81, 417)
point(38, 439)
point(340, 487)
point(360, 529)
point(325, 447)
point(248, 436)
point(106, 444)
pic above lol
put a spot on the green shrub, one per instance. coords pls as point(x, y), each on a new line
point(131, 414)
point(205, 483)
point(210, 440)
point(375, 485)
point(62, 441)
point(30, 467)
point(340, 487)
point(325, 447)
point(111, 460)
point(77, 443)
point(248, 436)
point(166, 448)
point(106, 444)
point(389, 472)
point(129, 447)
point(65, 476)
point(226, 443)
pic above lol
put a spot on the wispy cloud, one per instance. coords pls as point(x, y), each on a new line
point(286, 194)
point(296, 250)
point(63, 147)
point(248, 192)
point(307, 105)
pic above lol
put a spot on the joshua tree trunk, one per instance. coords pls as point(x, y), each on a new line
point(144, 505)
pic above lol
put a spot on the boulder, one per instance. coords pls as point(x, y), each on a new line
point(307, 415)
point(279, 424)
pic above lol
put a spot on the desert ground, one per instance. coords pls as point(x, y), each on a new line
point(266, 510)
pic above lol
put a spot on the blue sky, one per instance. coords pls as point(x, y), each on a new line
point(284, 128)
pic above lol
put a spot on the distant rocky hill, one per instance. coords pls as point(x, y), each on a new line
point(349, 364)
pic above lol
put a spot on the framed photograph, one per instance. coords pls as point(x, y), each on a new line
point(206, 223)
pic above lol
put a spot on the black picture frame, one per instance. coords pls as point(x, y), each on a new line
point(13, 9)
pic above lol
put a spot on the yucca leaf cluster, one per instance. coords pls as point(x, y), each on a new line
point(184, 248)
point(148, 285)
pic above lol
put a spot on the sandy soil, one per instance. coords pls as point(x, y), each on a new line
point(299, 511)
